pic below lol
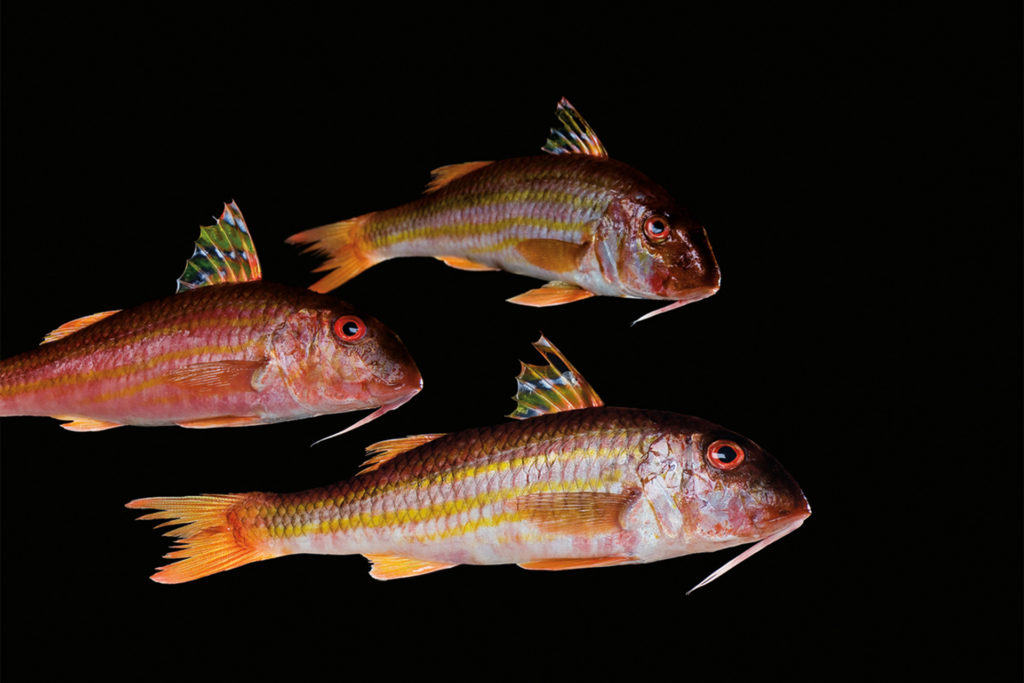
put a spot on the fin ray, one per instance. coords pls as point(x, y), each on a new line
point(552, 294)
point(582, 512)
point(443, 175)
point(572, 134)
point(386, 567)
point(563, 563)
point(382, 451)
point(552, 388)
point(556, 256)
point(72, 326)
point(343, 244)
point(224, 253)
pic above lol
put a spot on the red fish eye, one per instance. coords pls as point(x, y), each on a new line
point(725, 455)
point(656, 229)
point(349, 328)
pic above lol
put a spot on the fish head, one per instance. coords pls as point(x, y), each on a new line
point(652, 248)
point(732, 491)
point(333, 358)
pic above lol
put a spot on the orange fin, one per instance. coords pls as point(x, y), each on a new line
point(343, 243)
point(463, 263)
point(382, 451)
point(75, 325)
point(551, 388)
point(217, 377)
point(210, 541)
point(222, 421)
point(387, 567)
point(556, 256)
point(87, 424)
point(551, 294)
point(583, 512)
point(446, 174)
point(559, 564)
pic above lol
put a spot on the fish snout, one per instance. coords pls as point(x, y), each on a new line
point(782, 511)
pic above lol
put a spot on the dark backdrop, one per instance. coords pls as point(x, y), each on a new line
point(859, 176)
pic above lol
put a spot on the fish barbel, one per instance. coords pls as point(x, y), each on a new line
point(585, 223)
point(227, 350)
point(572, 484)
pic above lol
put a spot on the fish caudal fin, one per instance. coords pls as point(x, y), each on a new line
point(212, 539)
point(345, 247)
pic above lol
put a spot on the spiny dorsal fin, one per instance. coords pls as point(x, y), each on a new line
point(224, 253)
point(573, 135)
point(551, 388)
point(382, 451)
point(443, 175)
point(72, 326)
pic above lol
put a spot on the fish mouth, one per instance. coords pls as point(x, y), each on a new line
point(695, 294)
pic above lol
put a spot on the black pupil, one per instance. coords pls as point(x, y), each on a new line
point(350, 328)
point(658, 227)
point(725, 454)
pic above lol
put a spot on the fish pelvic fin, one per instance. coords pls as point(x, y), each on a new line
point(382, 451)
point(553, 293)
point(443, 175)
point(75, 325)
point(87, 424)
point(345, 247)
point(563, 563)
point(551, 388)
point(212, 539)
point(462, 263)
point(386, 567)
point(224, 253)
point(572, 134)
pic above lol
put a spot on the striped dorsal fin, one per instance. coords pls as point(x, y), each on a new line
point(552, 388)
point(224, 253)
point(572, 134)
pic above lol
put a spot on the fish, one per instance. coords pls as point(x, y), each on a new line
point(226, 350)
point(569, 484)
point(583, 222)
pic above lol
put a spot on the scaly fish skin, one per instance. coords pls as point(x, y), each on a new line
point(227, 350)
point(584, 222)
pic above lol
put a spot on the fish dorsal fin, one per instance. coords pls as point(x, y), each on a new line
point(382, 451)
point(573, 135)
point(72, 326)
point(224, 253)
point(443, 175)
point(552, 388)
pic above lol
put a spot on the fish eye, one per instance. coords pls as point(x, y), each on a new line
point(725, 455)
point(349, 328)
point(656, 229)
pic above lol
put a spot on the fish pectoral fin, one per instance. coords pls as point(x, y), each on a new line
point(551, 294)
point(386, 567)
point(445, 174)
point(561, 563)
point(382, 451)
point(551, 388)
point(584, 512)
point(222, 421)
point(463, 263)
point(75, 325)
point(87, 424)
point(556, 256)
point(216, 376)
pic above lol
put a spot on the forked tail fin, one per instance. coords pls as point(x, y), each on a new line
point(214, 536)
point(344, 245)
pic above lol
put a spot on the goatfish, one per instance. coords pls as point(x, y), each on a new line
point(570, 484)
point(585, 223)
point(226, 350)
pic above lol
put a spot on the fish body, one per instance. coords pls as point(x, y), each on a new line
point(585, 485)
point(224, 354)
point(585, 223)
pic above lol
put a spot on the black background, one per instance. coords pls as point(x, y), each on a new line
point(859, 176)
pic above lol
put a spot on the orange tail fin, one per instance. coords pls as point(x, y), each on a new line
point(344, 245)
point(213, 538)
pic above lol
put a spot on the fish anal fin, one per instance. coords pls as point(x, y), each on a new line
point(575, 512)
point(556, 256)
point(562, 563)
point(572, 134)
point(445, 174)
point(75, 325)
point(551, 294)
point(222, 421)
point(386, 567)
point(87, 424)
point(552, 388)
point(382, 451)
point(463, 263)
point(224, 253)
point(343, 244)
point(223, 376)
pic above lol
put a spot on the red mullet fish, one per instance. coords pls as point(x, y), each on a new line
point(226, 350)
point(585, 223)
point(571, 484)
